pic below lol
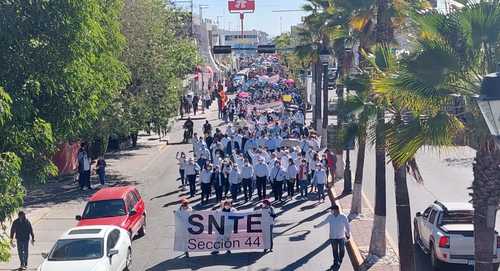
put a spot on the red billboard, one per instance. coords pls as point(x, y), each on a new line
point(238, 6)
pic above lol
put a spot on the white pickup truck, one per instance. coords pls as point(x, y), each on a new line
point(445, 231)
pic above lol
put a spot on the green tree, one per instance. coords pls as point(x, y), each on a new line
point(11, 189)
point(158, 59)
point(452, 54)
point(59, 59)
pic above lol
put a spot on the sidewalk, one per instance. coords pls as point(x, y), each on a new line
point(361, 228)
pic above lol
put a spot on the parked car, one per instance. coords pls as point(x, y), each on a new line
point(445, 231)
point(90, 248)
point(118, 206)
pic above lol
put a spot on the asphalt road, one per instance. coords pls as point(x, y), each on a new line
point(447, 174)
point(298, 246)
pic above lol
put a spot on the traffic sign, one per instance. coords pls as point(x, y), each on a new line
point(266, 49)
point(222, 49)
point(241, 6)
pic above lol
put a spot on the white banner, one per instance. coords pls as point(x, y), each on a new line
point(216, 230)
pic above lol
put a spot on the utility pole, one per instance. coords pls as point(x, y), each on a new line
point(242, 18)
point(201, 12)
point(191, 7)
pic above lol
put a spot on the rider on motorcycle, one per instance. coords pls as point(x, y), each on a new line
point(188, 126)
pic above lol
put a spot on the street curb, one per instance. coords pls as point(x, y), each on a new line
point(352, 248)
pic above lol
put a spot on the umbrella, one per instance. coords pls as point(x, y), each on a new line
point(290, 143)
point(243, 95)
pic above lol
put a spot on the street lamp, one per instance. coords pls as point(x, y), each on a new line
point(489, 103)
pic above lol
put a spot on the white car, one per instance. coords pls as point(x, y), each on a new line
point(90, 248)
point(446, 232)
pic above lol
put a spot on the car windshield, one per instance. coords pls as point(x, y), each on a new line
point(77, 249)
point(457, 217)
point(104, 208)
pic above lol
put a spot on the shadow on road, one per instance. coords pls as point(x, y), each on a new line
point(67, 190)
point(166, 194)
point(235, 261)
point(424, 263)
point(304, 259)
point(307, 219)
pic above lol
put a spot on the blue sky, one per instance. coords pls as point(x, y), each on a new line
point(263, 18)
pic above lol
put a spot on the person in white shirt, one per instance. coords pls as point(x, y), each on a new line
point(194, 142)
point(238, 160)
point(237, 140)
point(181, 157)
point(284, 159)
point(277, 176)
point(191, 171)
point(234, 178)
point(340, 231)
point(304, 146)
point(319, 179)
point(217, 161)
point(204, 156)
point(225, 141)
point(84, 167)
point(261, 171)
point(205, 179)
point(247, 176)
point(291, 177)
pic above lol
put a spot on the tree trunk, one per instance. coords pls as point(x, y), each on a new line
point(317, 119)
point(325, 106)
point(356, 205)
point(403, 212)
point(384, 28)
point(378, 241)
point(485, 198)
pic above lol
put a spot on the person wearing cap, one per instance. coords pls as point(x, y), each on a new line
point(226, 207)
point(205, 179)
point(261, 171)
point(319, 179)
point(21, 230)
point(267, 209)
point(340, 231)
point(191, 171)
point(181, 213)
point(277, 175)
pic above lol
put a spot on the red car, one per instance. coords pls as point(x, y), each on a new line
point(118, 206)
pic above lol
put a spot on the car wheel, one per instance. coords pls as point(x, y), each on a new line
point(435, 262)
point(142, 230)
point(416, 238)
point(128, 262)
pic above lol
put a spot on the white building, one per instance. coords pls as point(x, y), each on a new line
point(235, 38)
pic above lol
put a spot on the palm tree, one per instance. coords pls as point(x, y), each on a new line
point(414, 123)
point(453, 53)
point(360, 110)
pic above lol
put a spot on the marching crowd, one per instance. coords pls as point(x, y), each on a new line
point(264, 151)
point(260, 149)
